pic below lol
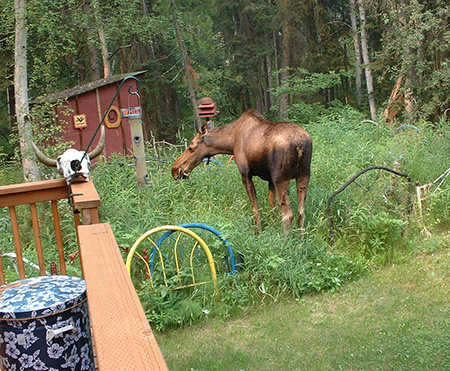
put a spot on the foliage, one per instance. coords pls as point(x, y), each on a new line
point(306, 90)
point(235, 51)
point(371, 220)
point(303, 84)
point(415, 44)
point(44, 128)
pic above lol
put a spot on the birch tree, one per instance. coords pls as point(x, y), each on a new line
point(30, 169)
point(366, 59)
point(357, 49)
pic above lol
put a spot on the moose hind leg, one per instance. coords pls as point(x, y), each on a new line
point(282, 194)
point(271, 194)
point(251, 191)
point(302, 187)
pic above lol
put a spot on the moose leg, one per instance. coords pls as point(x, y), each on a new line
point(302, 187)
point(250, 188)
point(282, 193)
point(271, 194)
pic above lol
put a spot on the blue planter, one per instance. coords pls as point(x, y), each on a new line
point(44, 325)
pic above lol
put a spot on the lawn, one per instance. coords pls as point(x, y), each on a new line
point(398, 318)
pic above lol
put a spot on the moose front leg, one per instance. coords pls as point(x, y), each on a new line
point(250, 188)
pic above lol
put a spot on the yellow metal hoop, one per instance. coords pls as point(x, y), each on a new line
point(196, 237)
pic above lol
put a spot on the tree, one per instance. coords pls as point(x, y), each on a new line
point(283, 103)
point(366, 59)
point(356, 47)
point(93, 51)
point(240, 50)
point(415, 52)
point(187, 72)
point(30, 169)
point(102, 39)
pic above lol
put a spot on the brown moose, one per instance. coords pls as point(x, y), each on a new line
point(275, 152)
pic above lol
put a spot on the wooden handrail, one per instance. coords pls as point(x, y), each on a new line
point(85, 201)
point(33, 192)
point(123, 338)
point(122, 335)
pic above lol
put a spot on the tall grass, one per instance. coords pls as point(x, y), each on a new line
point(370, 220)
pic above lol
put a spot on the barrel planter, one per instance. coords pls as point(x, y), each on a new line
point(44, 325)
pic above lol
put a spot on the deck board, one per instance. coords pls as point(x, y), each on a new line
point(122, 335)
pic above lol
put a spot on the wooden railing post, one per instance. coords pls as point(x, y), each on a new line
point(86, 200)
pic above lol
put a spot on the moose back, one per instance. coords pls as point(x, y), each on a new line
point(275, 152)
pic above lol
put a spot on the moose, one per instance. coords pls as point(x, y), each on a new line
point(72, 164)
point(275, 152)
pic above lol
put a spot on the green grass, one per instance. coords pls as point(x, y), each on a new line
point(372, 225)
point(398, 318)
point(361, 313)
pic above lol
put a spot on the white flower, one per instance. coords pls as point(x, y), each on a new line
point(12, 351)
point(26, 361)
point(55, 351)
point(73, 359)
point(10, 337)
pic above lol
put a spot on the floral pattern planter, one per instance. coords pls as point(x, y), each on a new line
point(44, 325)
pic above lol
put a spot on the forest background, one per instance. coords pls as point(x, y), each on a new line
point(287, 59)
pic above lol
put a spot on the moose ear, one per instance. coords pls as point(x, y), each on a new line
point(204, 129)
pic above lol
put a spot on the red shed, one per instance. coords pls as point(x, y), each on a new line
point(88, 104)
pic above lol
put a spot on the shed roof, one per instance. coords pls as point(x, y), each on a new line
point(80, 89)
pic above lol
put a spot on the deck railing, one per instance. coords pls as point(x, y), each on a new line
point(85, 203)
point(122, 335)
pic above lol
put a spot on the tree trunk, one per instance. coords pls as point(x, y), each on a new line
point(30, 169)
point(92, 48)
point(269, 82)
point(102, 39)
point(366, 59)
point(105, 53)
point(285, 59)
point(411, 75)
point(269, 71)
point(187, 73)
point(356, 46)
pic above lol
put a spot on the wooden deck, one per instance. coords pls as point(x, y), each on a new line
point(123, 339)
point(122, 335)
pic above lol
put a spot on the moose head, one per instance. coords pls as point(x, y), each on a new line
point(72, 164)
point(193, 155)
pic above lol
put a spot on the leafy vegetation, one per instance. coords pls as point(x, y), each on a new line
point(238, 52)
point(370, 219)
point(254, 54)
point(371, 224)
point(346, 311)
